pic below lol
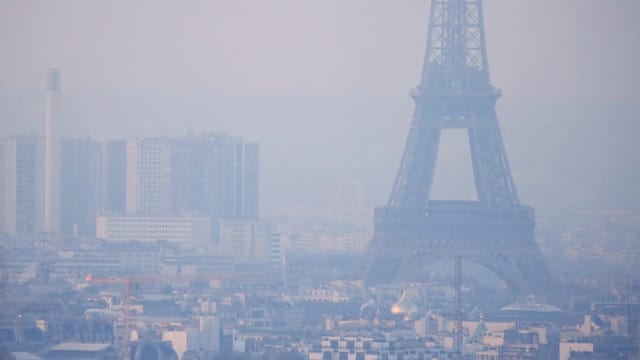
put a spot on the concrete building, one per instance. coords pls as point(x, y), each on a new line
point(216, 175)
point(566, 348)
point(8, 186)
point(245, 180)
point(52, 154)
point(275, 250)
point(247, 241)
point(182, 340)
point(206, 337)
point(114, 177)
point(185, 231)
point(375, 348)
point(79, 351)
point(22, 185)
point(210, 333)
point(148, 173)
point(80, 186)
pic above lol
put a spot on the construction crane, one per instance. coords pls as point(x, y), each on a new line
point(126, 306)
point(128, 280)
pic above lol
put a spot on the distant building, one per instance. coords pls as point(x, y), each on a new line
point(186, 231)
point(182, 340)
point(114, 177)
point(53, 131)
point(148, 173)
point(206, 337)
point(22, 185)
point(375, 348)
point(247, 241)
point(275, 250)
point(309, 268)
point(210, 333)
point(79, 351)
point(80, 185)
point(214, 175)
point(566, 348)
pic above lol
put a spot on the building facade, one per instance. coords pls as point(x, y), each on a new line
point(185, 231)
point(22, 185)
point(80, 185)
point(114, 177)
point(213, 174)
point(148, 173)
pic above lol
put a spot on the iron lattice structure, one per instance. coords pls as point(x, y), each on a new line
point(496, 231)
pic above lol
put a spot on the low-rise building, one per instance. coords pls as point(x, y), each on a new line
point(184, 231)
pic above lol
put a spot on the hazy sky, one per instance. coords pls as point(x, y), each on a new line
point(538, 49)
point(322, 85)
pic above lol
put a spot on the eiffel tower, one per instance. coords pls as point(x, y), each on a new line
point(495, 231)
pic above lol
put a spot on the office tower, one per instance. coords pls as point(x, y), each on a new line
point(230, 178)
point(114, 177)
point(80, 185)
point(246, 184)
point(215, 175)
point(52, 154)
point(148, 176)
point(212, 176)
point(186, 174)
point(7, 186)
point(21, 185)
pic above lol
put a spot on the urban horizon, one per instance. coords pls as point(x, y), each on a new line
point(293, 206)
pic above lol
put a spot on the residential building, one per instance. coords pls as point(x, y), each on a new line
point(80, 185)
point(22, 185)
point(148, 173)
point(184, 231)
point(114, 177)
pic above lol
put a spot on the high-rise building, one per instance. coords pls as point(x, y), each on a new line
point(246, 184)
point(114, 177)
point(230, 177)
point(7, 186)
point(52, 154)
point(148, 174)
point(187, 169)
point(212, 175)
point(21, 185)
point(215, 175)
point(80, 185)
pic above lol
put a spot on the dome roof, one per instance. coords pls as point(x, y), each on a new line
point(404, 306)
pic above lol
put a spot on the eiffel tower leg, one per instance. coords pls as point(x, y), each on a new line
point(494, 184)
point(413, 183)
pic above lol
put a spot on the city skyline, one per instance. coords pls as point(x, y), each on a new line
point(364, 85)
point(214, 180)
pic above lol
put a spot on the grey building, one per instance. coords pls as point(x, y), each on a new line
point(22, 185)
point(80, 185)
point(148, 175)
point(114, 176)
point(215, 175)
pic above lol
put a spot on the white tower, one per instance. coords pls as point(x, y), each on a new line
point(52, 154)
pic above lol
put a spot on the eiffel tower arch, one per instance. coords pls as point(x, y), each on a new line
point(495, 231)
